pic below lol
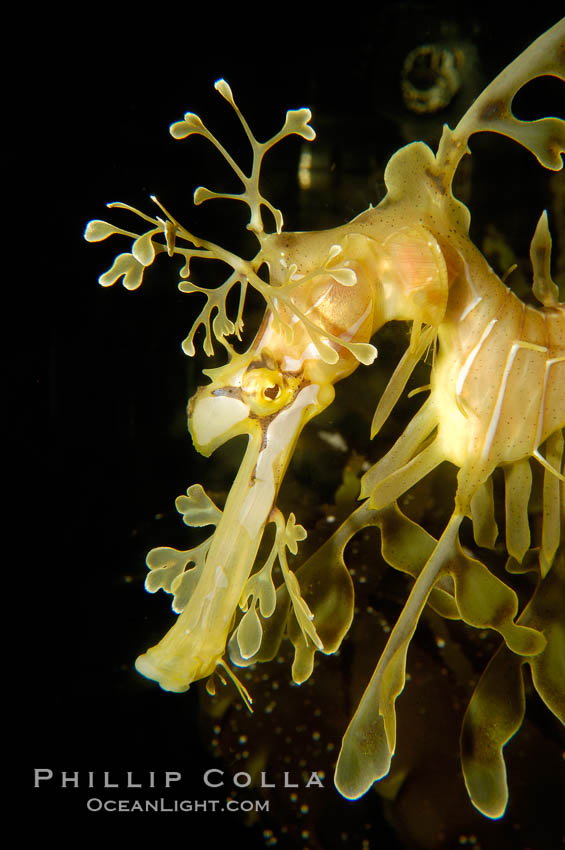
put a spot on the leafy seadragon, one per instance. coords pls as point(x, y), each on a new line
point(327, 294)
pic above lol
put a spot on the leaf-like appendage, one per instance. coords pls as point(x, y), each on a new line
point(544, 287)
point(97, 230)
point(168, 571)
point(486, 602)
point(168, 567)
point(143, 249)
point(191, 124)
point(165, 565)
point(298, 122)
point(273, 605)
point(293, 534)
point(494, 714)
point(545, 611)
point(370, 739)
point(407, 547)
point(197, 507)
point(492, 110)
point(260, 586)
point(287, 536)
point(124, 266)
point(496, 709)
point(221, 325)
point(244, 272)
point(249, 633)
point(346, 277)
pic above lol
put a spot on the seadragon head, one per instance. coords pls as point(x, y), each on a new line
point(321, 311)
point(319, 317)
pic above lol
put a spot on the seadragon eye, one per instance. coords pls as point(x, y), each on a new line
point(271, 392)
point(266, 390)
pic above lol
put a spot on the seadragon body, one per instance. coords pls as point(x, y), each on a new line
point(327, 294)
